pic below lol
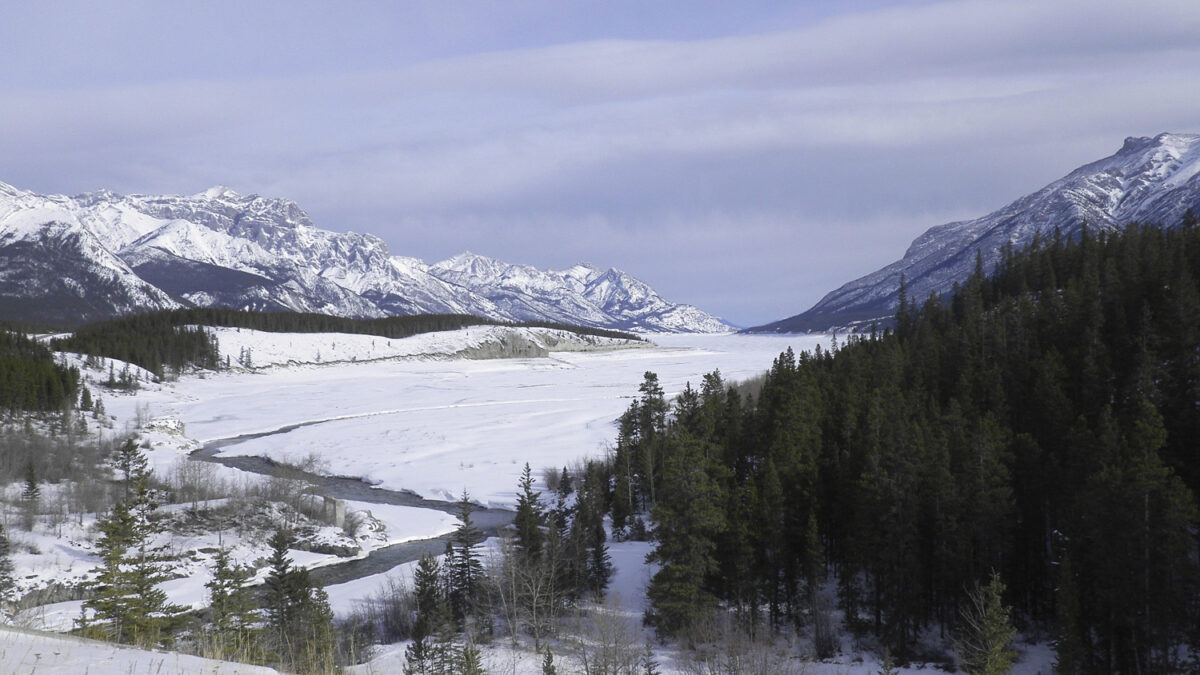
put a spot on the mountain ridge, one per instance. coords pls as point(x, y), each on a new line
point(219, 248)
point(1149, 179)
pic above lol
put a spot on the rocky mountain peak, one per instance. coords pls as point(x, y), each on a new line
point(221, 248)
point(1149, 179)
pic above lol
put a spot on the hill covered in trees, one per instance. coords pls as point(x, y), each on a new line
point(1040, 424)
point(30, 378)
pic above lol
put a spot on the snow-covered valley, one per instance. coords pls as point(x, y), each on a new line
point(414, 415)
point(405, 415)
point(438, 426)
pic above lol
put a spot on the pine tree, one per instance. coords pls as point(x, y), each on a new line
point(30, 495)
point(298, 614)
point(985, 642)
point(464, 569)
point(7, 583)
point(548, 662)
point(131, 463)
point(431, 613)
point(687, 520)
point(652, 426)
point(278, 587)
point(649, 663)
point(529, 519)
point(888, 667)
point(1069, 651)
point(469, 661)
point(233, 616)
point(126, 603)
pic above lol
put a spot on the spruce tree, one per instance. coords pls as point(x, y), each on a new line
point(431, 609)
point(469, 660)
point(1069, 651)
point(985, 643)
point(126, 604)
point(30, 495)
point(132, 463)
point(649, 664)
point(529, 519)
point(687, 521)
point(298, 615)
point(232, 631)
point(888, 667)
point(7, 583)
point(464, 569)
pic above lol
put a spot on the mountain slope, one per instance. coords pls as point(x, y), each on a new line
point(1154, 180)
point(69, 259)
point(51, 264)
point(582, 294)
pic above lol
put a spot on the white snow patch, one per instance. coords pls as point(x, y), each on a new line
point(30, 652)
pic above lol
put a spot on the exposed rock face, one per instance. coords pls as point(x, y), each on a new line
point(73, 259)
point(1151, 180)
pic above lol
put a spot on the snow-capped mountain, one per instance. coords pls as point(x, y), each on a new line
point(67, 259)
point(582, 294)
point(1150, 180)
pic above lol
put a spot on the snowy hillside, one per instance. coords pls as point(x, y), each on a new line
point(257, 349)
point(1152, 180)
point(583, 294)
point(102, 254)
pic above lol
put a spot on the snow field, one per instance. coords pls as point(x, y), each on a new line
point(430, 424)
point(272, 350)
point(42, 654)
point(437, 427)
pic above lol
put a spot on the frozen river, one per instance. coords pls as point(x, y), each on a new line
point(437, 427)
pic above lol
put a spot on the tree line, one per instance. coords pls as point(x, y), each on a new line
point(1040, 425)
point(30, 378)
point(174, 339)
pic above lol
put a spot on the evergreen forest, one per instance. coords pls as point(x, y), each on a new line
point(30, 378)
point(1039, 427)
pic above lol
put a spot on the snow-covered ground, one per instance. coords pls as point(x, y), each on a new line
point(256, 349)
point(42, 654)
point(437, 427)
point(407, 415)
point(402, 413)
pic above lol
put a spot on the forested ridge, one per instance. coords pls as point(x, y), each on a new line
point(173, 339)
point(30, 378)
point(1042, 424)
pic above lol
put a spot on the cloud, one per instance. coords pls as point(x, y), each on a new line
point(746, 173)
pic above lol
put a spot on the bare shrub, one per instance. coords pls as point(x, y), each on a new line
point(386, 617)
point(551, 478)
point(88, 496)
point(608, 641)
point(529, 593)
point(724, 648)
point(193, 481)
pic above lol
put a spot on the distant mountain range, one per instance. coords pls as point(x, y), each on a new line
point(1149, 180)
point(96, 255)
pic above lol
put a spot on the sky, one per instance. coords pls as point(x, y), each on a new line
point(744, 157)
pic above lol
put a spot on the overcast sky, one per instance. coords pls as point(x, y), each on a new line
point(744, 157)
